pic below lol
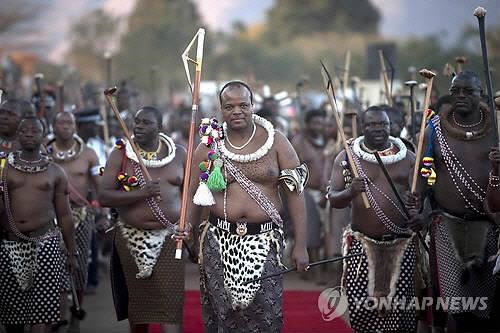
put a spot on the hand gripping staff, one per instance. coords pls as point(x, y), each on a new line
point(429, 77)
point(331, 97)
point(195, 91)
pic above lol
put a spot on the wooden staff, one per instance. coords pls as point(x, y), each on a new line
point(331, 98)
point(104, 116)
point(411, 85)
point(429, 77)
point(449, 71)
point(108, 59)
point(345, 84)
point(195, 90)
point(383, 72)
point(460, 60)
point(41, 99)
point(480, 13)
point(354, 82)
point(109, 96)
point(60, 91)
point(317, 263)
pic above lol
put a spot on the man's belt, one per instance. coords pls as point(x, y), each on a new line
point(242, 228)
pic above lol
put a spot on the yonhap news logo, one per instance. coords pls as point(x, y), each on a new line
point(332, 303)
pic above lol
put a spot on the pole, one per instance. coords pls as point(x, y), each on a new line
point(412, 85)
point(480, 13)
point(331, 98)
point(429, 76)
point(288, 270)
point(195, 90)
point(383, 71)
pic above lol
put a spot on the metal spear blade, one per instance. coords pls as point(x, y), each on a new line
point(200, 37)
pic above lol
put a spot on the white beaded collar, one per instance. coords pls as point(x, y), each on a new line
point(169, 143)
point(369, 157)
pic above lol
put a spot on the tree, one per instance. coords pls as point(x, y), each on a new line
point(159, 31)
point(90, 39)
point(290, 18)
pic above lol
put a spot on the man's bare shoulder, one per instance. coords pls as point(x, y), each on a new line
point(57, 171)
point(282, 141)
point(89, 153)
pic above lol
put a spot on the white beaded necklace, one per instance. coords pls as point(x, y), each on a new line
point(246, 143)
point(259, 153)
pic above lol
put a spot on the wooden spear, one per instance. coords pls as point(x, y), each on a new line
point(429, 77)
point(60, 88)
point(41, 99)
point(195, 90)
point(345, 84)
point(383, 71)
point(331, 98)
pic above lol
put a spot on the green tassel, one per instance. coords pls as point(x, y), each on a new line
point(216, 181)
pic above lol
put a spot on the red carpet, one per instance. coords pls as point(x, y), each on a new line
point(300, 311)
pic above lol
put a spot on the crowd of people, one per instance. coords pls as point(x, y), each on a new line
point(261, 195)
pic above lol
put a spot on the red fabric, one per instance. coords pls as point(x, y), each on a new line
point(300, 311)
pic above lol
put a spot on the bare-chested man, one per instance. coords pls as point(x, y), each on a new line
point(309, 147)
point(463, 236)
point(242, 239)
point(144, 250)
point(381, 233)
point(34, 194)
point(82, 168)
point(10, 115)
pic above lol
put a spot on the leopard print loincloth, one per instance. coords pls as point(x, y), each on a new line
point(24, 259)
point(243, 259)
point(144, 246)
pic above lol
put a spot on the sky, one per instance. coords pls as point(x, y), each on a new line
point(400, 18)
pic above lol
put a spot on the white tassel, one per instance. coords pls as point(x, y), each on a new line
point(203, 196)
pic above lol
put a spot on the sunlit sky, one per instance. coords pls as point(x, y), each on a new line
point(400, 18)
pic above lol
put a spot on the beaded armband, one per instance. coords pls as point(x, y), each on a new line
point(295, 179)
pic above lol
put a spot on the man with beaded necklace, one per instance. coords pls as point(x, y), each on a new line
point(463, 236)
point(81, 165)
point(147, 281)
point(242, 238)
point(34, 195)
point(382, 232)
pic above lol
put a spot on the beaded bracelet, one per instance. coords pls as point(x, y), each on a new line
point(494, 181)
point(73, 254)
